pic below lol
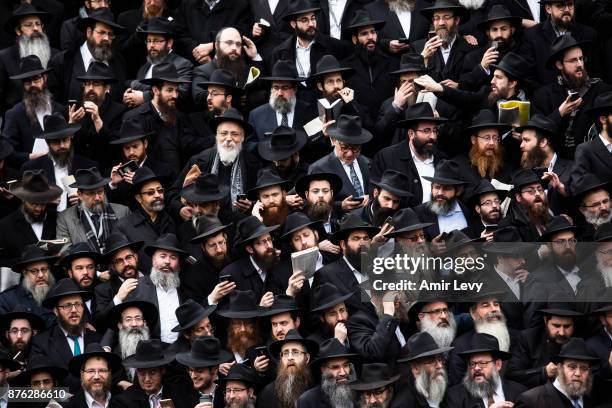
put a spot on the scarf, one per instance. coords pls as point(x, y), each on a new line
point(236, 185)
point(107, 222)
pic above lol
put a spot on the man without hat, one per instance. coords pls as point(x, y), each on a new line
point(19, 327)
point(377, 387)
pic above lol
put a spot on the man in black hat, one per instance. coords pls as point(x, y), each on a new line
point(599, 343)
point(93, 218)
point(328, 306)
point(531, 363)
point(574, 381)
point(194, 322)
point(318, 191)
point(336, 368)
point(100, 31)
point(432, 314)
point(483, 381)
point(134, 321)
point(70, 336)
point(282, 147)
point(70, 36)
point(269, 195)
point(35, 219)
point(416, 156)
point(239, 386)
point(593, 198)
point(485, 203)
point(28, 23)
point(25, 119)
point(41, 374)
point(283, 316)
point(390, 193)
point(376, 387)
point(99, 116)
point(19, 327)
point(558, 21)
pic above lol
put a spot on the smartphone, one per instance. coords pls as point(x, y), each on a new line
point(7, 185)
point(495, 45)
point(206, 398)
point(573, 96)
point(389, 221)
point(491, 228)
point(128, 167)
point(262, 351)
point(240, 197)
point(403, 41)
point(431, 34)
point(226, 278)
point(360, 199)
point(72, 102)
point(443, 235)
point(166, 403)
point(539, 171)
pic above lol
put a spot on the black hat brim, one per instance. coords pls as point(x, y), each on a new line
point(287, 17)
point(319, 360)
point(462, 12)
point(331, 303)
point(83, 23)
point(188, 360)
point(101, 78)
point(246, 126)
point(258, 233)
point(30, 74)
point(502, 128)
point(210, 233)
point(12, 22)
point(267, 152)
point(242, 314)
point(406, 123)
point(253, 194)
point(103, 182)
point(287, 235)
point(333, 179)
point(75, 363)
point(444, 181)
point(343, 233)
point(60, 134)
point(132, 362)
point(50, 301)
point(344, 71)
point(311, 346)
point(134, 245)
point(336, 133)
point(58, 373)
point(378, 24)
point(205, 312)
point(151, 248)
point(434, 352)
point(410, 69)
point(394, 190)
point(548, 234)
point(497, 354)
point(410, 228)
point(156, 80)
point(36, 321)
point(372, 385)
point(129, 139)
point(67, 259)
point(233, 89)
point(560, 312)
point(193, 196)
point(149, 310)
point(19, 265)
point(484, 24)
point(554, 57)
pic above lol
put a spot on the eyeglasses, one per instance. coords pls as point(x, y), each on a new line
point(533, 191)
point(374, 393)
point(480, 364)
point(436, 312)
point(133, 319)
point(565, 242)
point(34, 79)
point(155, 42)
point(604, 202)
point(607, 252)
point(68, 306)
point(445, 18)
point(103, 33)
point(221, 244)
point(93, 193)
point(489, 203)
point(283, 88)
point(32, 25)
point(563, 5)
point(429, 131)
point(574, 61)
point(230, 391)
point(231, 43)
point(226, 133)
point(35, 271)
point(489, 139)
point(81, 268)
point(434, 360)
point(574, 367)
point(306, 20)
point(38, 383)
point(292, 353)
point(213, 94)
point(415, 238)
point(346, 147)
point(94, 371)
point(128, 259)
point(24, 330)
point(151, 193)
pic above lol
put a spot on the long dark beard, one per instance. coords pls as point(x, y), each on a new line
point(575, 83)
point(533, 158)
point(63, 158)
point(161, 56)
point(236, 66)
point(318, 211)
point(266, 262)
point(35, 44)
point(73, 329)
point(380, 214)
point(91, 96)
point(36, 100)
point(169, 112)
point(487, 166)
point(290, 383)
point(102, 52)
point(241, 342)
point(275, 215)
point(537, 215)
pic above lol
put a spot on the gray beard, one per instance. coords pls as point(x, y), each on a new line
point(38, 46)
point(606, 273)
point(482, 390)
point(289, 386)
point(431, 388)
point(100, 52)
point(159, 59)
point(597, 220)
point(497, 329)
point(448, 35)
point(129, 338)
point(443, 336)
point(440, 209)
point(228, 156)
point(282, 105)
point(36, 101)
point(340, 395)
point(472, 4)
point(575, 391)
point(167, 281)
point(397, 6)
point(38, 292)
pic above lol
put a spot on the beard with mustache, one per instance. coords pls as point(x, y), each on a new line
point(380, 213)
point(318, 211)
point(168, 110)
point(482, 389)
point(72, 329)
point(561, 22)
point(398, 6)
point(340, 395)
point(432, 386)
point(487, 165)
point(35, 44)
point(233, 63)
point(442, 208)
point(446, 34)
point(151, 10)
point(63, 157)
point(242, 341)
point(228, 151)
point(605, 271)
point(129, 338)
point(282, 105)
point(30, 217)
point(159, 57)
point(101, 52)
point(424, 148)
point(291, 382)
point(354, 256)
point(533, 158)
point(275, 215)
point(36, 100)
point(92, 96)
point(496, 328)
point(566, 260)
point(39, 291)
point(306, 35)
point(597, 220)
point(575, 389)
point(443, 334)
point(472, 4)
point(233, 402)
point(266, 261)
point(166, 280)
point(574, 82)
point(537, 214)
point(98, 393)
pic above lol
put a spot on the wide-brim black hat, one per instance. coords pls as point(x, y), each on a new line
point(541, 124)
point(89, 179)
point(513, 64)
point(250, 228)
point(484, 343)
point(224, 78)
point(116, 242)
point(394, 182)
point(373, 376)
point(352, 222)
point(588, 183)
point(39, 364)
point(282, 143)
point(295, 222)
point(24, 10)
point(406, 220)
point(102, 15)
point(32, 254)
point(282, 304)
point(149, 354)
point(362, 18)
point(148, 309)
point(242, 304)
point(507, 241)
point(29, 66)
point(499, 12)
point(205, 351)
point(208, 227)
point(348, 129)
point(459, 10)
point(575, 349)
point(56, 128)
point(283, 70)
point(35, 188)
point(410, 62)
point(484, 186)
point(485, 119)
point(156, 25)
point(328, 64)
point(298, 7)
point(232, 115)
point(98, 71)
point(205, 189)
point(239, 372)
point(524, 177)
point(555, 225)
point(78, 251)
point(422, 345)
point(93, 350)
point(64, 287)
point(143, 175)
point(457, 239)
point(312, 347)
point(191, 313)
point(303, 183)
point(327, 295)
point(602, 105)
point(603, 233)
point(268, 178)
point(419, 112)
point(21, 312)
point(164, 72)
point(560, 45)
point(167, 242)
point(445, 174)
point(332, 348)
point(131, 129)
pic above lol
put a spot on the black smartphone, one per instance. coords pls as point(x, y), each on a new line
point(226, 278)
point(128, 167)
point(360, 199)
point(166, 403)
point(206, 398)
point(72, 103)
point(431, 34)
point(403, 40)
point(240, 197)
point(491, 228)
point(262, 351)
point(389, 221)
point(573, 96)
point(539, 171)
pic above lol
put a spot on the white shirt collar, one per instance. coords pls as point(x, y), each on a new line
point(260, 272)
point(298, 46)
point(557, 385)
point(606, 143)
point(552, 163)
point(90, 401)
point(429, 160)
point(450, 45)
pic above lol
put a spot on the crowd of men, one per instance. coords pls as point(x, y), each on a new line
point(162, 160)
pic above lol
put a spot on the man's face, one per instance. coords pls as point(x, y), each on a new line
point(95, 91)
point(500, 85)
point(376, 398)
point(82, 272)
point(41, 380)
point(97, 4)
point(319, 191)
point(216, 247)
point(154, 7)
point(305, 26)
point(243, 327)
point(564, 249)
point(202, 378)
point(424, 138)
point(218, 99)
point(96, 376)
point(101, 36)
point(229, 136)
point(36, 83)
point(263, 251)
point(487, 141)
point(387, 199)
point(532, 149)
point(489, 208)
point(158, 47)
point(125, 263)
point(367, 37)
point(283, 90)
point(166, 95)
point(335, 315)
point(230, 44)
point(165, 261)
point(575, 377)
point(559, 328)
point(202, 328)
point(443, 194)
point(338, 368)
point(34, 210)
point(510, 264)
point(604, 254)
point(237, 394)
point(533, 196)
point(595, 207)
point(93, 200)
point(293, 354)
point(135, 150)
point(37, 273)
point(69, 310)
point(19, 334)
point(281, 324)
point(502, 32)
point(30, 25)
point(481, 374)
point(272, 196)
point(332, 84)
point(572, 66)
point(209, 209)
point(305, 238)
point(151, 196)
point(436, 312)
point(60, 146)
point(347, 153)
point(561, 13)
point(445, 24)
point(488, 310)
point(285, 166)
point(132, 318)
point(150, 379)
point(356, 243)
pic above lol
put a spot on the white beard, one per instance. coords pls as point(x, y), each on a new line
point(432, 389)
point(398, 6)
point(35, 46)
point(227, 154)
point(497, 329)
point(443, 336)
point(472, 4)
point(606, 273)
point(165, 280)
point(129, 338)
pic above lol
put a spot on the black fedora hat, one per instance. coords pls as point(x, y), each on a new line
point(208, 227)
point(406, 220)
point(485, 119)
point(232, 115)
point(250, 228)
point(332, 348)
point(22, 11)
point(459, 10)
point(303, 183)
point(131, 129)
point(102, 15)
point(575, 349)
point(167, 242)
point(411, 62)
point(524, 177)
point(561, 44)
point(558, 304)
point(419, 112)
point(602, 105)
point(93, 350)
point(312, 347)
point(446, 173)
point(148, 309)
point(498, 12)
point(295, 222)
point(40, 364)
point(328, 64)
point(603, 233)
point(555, 225)
point(6, 149)
point(144, 175)
point(298, 7)
point(98, 71)
point(484, 186)
point(149, 354)
point(239, 372)
point(348, 129)
point(422, 345)
point(29, 67)
point(21, 312)
point(282, 304)
point(477, 297)
point(164, 72)
point(64, 287)
point(282, 143)
point(362, 18)
point(205, 189)
point(7, 362)
point(268, 178)
point(205, 351)
point(56, 128)
point(224, 78)
point(191, 313)
point(327, 295)
point(541, 124)
point(424, 299)
point(89, 179)
point(349, 223)
point(456, 239)
point(373, 376)
point(588, 183)
point(116, 242)
point(35, 188)
point(394, 182)
point(484, 343)
point(513, 64)
point(78, 251)
point(31, 254)
point(283, 70)
point(507, 241)
point(242, 304)
point(156, 25)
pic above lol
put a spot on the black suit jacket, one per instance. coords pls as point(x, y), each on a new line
point(135, 397)
point(246, 277)
point(601, 344)
point(313, 398)
point(459, 397)
point(323, 45)
point(425, 215)
point(592, 157)
point(45, 163)
point(104, 294)
point(79, 401)
point(331, 164)
point(22, 234)
point(546, 396)
point(278, 30)
point(454, 65)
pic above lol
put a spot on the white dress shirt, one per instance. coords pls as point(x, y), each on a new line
point(446, 51)
point(404, 18)
point(260, 272)
point(454, 220)
point(424, 168)
point(336, 10)
point(534, 7)
point(302, 59)
point(572, 277)
point(40, 145)
point(60, 173)
point(272, 4)
point(513, 283)
point(168, 303)
point(37, 227)
point(92, 403)
point(606, 143)
point(87, 57)
point(498, 395)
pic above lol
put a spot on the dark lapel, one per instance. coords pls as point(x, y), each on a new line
point(143, 70)
point(547, 31)
point(279, 12)
point(336, 167)
point(601, 151)
point(25, 228)
point(59, 343)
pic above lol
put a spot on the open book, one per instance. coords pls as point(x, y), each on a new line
point(305, 261)
point(329, 111)
point(52, 246)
